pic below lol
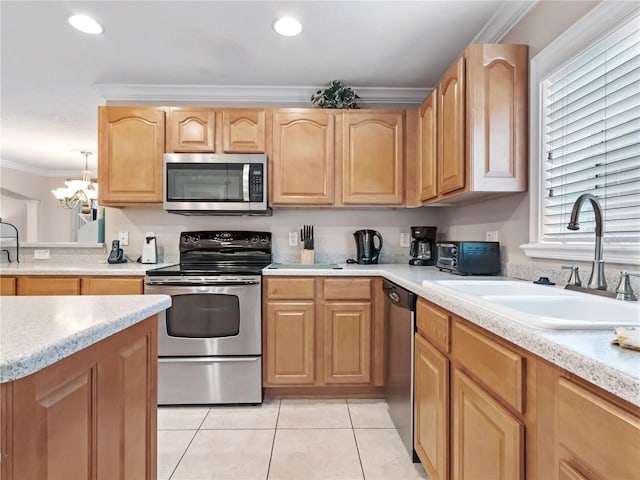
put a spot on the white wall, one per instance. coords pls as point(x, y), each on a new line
point(17, 187)
point(333, 229)
point(510, 215)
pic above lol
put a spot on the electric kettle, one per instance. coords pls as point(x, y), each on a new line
point(366, 250)
point(149, 249)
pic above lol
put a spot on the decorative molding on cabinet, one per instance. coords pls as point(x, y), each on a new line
point(254, 95)
point(503, 21)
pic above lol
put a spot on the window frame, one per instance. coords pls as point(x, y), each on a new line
point(590, 29)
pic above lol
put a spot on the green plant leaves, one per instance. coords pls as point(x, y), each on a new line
point(335, 95)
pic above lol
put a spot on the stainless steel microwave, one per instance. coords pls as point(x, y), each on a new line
point(211, 184)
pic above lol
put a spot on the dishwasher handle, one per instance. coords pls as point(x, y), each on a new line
point(399, 296)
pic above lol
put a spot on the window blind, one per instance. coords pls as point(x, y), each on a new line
point(591, 127)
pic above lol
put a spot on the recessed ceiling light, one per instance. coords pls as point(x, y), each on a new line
point(287, 26)
point(85, 24)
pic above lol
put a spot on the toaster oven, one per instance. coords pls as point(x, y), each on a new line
point(469, 258)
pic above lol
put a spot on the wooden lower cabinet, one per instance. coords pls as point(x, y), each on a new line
point(91, 415)
point(65, 285)
point(322, 336)
point(488, 442)
point(431, 404)
point(290, 353)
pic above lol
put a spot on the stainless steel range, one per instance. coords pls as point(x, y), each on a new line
point(209, 341)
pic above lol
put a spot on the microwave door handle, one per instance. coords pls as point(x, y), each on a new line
point(245, 182)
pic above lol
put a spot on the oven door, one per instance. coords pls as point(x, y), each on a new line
point(216, 317)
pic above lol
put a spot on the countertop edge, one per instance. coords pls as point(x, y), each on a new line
point(14, 369)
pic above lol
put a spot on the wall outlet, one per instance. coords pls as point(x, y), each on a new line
point(405, 239)
point(293, 239)
point(492, 236)
point(41, 254)
point(124, 238)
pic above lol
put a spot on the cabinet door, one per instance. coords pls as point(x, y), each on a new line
point(608, 443)
point(191, 130)
point(48, 286)
point(488, 442)
point(451, 130)
point(431, 406)
point(131, 145)
point(290, 351)
point(427, 149)
point(347, 342)
point(372, 158)
point(302, 170)
point(111, 286)
point(7, 286)
point(244, 131)
point(497, 96)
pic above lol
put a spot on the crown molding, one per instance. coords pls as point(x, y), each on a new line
point(503, 21)
point(258, 95)
point(26, 168)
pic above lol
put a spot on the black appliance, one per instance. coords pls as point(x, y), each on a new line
point(423, 246)
point(469, 258)
point(366, 250)
point(210, 339)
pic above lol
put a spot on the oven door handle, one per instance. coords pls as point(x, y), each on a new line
point(206, 359)
point(203, 284)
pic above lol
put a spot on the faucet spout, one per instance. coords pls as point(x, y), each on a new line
point(597, 279)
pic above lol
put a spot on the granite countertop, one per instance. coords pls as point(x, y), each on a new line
point(588, 354)
point(55, 268)
point(38, 331)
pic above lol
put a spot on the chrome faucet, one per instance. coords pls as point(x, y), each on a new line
point(597, 280)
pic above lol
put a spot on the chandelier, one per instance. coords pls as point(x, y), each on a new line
point(78, 191)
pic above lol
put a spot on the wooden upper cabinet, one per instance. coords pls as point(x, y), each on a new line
point(373, 158)
point(427, 148)
point(302, 164)
point(451, 130)
point(191, 130)
point(244, 130)
point(497, 102)
point(131, 145)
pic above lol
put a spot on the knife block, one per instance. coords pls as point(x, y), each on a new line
point(307, 256)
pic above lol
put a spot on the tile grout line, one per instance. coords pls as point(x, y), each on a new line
point(273, 442)
point(355, 439)
point(195, 432)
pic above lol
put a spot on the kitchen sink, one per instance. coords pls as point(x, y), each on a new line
point(547, 307)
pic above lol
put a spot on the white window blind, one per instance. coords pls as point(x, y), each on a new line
point(591, 128)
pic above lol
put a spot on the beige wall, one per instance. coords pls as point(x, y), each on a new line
point(510, 215)
point(16, 187)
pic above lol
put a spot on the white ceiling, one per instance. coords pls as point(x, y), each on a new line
point(53, 77)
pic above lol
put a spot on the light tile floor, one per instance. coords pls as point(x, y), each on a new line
point(283, 440)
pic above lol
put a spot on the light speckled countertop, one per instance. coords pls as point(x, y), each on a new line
point(53, 268)
point(588, 354)
point(38, 331)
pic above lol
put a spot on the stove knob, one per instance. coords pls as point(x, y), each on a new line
point(264, 239)
point(196, 238)
point(186, 239)
point(254, 239)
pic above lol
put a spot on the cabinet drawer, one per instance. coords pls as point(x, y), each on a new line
point(347, 289)
point(433, 323)
point(7, 286)
point(48, 286)
point(588, 427)
point(291, 288)
point(498, 368)
point(111, 286)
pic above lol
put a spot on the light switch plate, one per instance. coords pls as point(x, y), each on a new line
point(41, 254)
point(124, 238)
point(492, 236)
point(405, 239)
point(293, 239)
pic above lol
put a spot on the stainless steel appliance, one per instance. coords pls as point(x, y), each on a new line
point(206, 183)
point(399, 308)
point(469, 258)
point(366, 250)
point(423, 246)
point(209, 340)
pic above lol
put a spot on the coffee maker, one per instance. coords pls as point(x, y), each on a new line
point(423, 246)
point(366, 250)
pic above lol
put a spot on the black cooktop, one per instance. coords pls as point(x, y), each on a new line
point(220, 253)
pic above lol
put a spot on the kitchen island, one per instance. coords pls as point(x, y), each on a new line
point(78, 391)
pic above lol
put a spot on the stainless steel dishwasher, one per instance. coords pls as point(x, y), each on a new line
point(399, 317)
